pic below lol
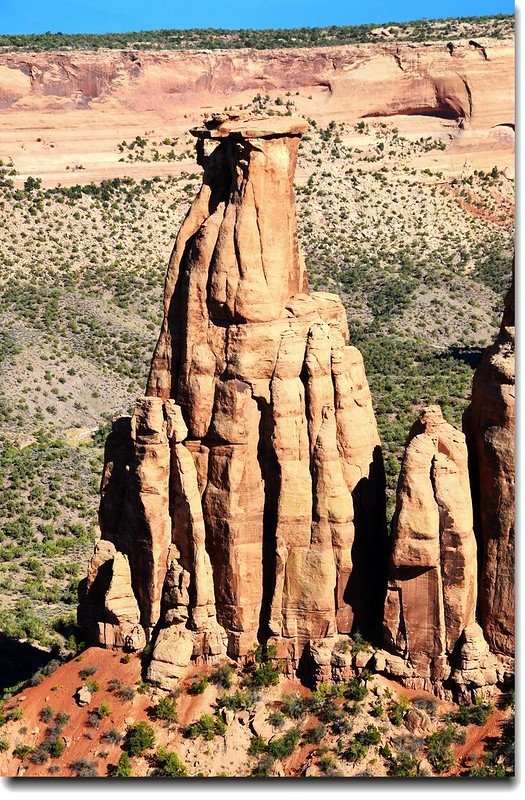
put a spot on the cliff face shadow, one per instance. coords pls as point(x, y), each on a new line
point(469, 355)
point(19, 661)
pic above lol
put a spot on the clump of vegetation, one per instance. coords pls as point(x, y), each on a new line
point(121, 690)
point(439, 747)
point(222, 675)
point(122, 769)
point(167, 764)
point(239, 699)
point(262, 672)
point(207, 726)
point(199, 685)
point(139, 738)
point(166, 709)
point(84, 768)
point(476, 714)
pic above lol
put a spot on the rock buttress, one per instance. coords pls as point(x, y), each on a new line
point(265, 515)
point(489, 424)
point(432, 589)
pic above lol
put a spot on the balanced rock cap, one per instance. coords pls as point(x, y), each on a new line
point(219, 126)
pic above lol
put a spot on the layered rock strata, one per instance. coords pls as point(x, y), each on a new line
point(429, 622)
point(247, 491)
point(489, 424)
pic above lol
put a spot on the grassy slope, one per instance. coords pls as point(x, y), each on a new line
point(421, 261)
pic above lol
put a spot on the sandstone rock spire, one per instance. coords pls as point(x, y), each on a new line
point(232, 490)
point(489, 425)
point(432, 590)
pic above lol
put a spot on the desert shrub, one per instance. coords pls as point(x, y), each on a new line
point(439, 747)
point(359, 644)
point(62, 717)
point(276, 719)
point(397, 710)
point(427, 704)
point(16, 713)
point(22, 751)
point(121, 690)
point(199, 685)
point(39, 756)
point(356, 689)
point(476, 714)
point(46, 714)
point(315, 735)
point(123, 767)
point(4, 744)
point(166, 709)
point(355, 751)
point(103, 710)
point(264, 675)
point(86, 672)
point(264, 766)
point(326, 764)
point(369, 736)
point(168, 765)
point(223, 675)
point(112, 736)
point(207, 726)
point(293, 705)
point(56, 748)
point(285, 745)
point(238, 699)
point(257, 746)
point(139, 737)
point(84, 768)
point(402, 765)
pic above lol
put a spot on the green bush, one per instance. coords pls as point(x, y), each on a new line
point(355, 751)
point(206, 726)
point(46, 714)
point(168, 765)
point(285, 745)
point(139, 738)
point(223, 675)
point(476, 714)
point(257, 746)
point(123, 767)
point(293, 705)
point(199, 685)
point(439, 748)
point(166, 709)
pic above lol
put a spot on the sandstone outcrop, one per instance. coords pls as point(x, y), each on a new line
point(247, 490)
point(489, 427)
point(432, 589)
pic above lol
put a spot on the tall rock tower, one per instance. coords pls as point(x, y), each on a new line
point(489, 424)
point(244, 500)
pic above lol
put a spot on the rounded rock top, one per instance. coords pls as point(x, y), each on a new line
point(220, 126)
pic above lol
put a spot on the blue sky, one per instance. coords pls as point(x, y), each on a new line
point(99, 16)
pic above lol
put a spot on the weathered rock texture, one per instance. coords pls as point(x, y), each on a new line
point(489, 427)
point(247, 491)
point(432, 590)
